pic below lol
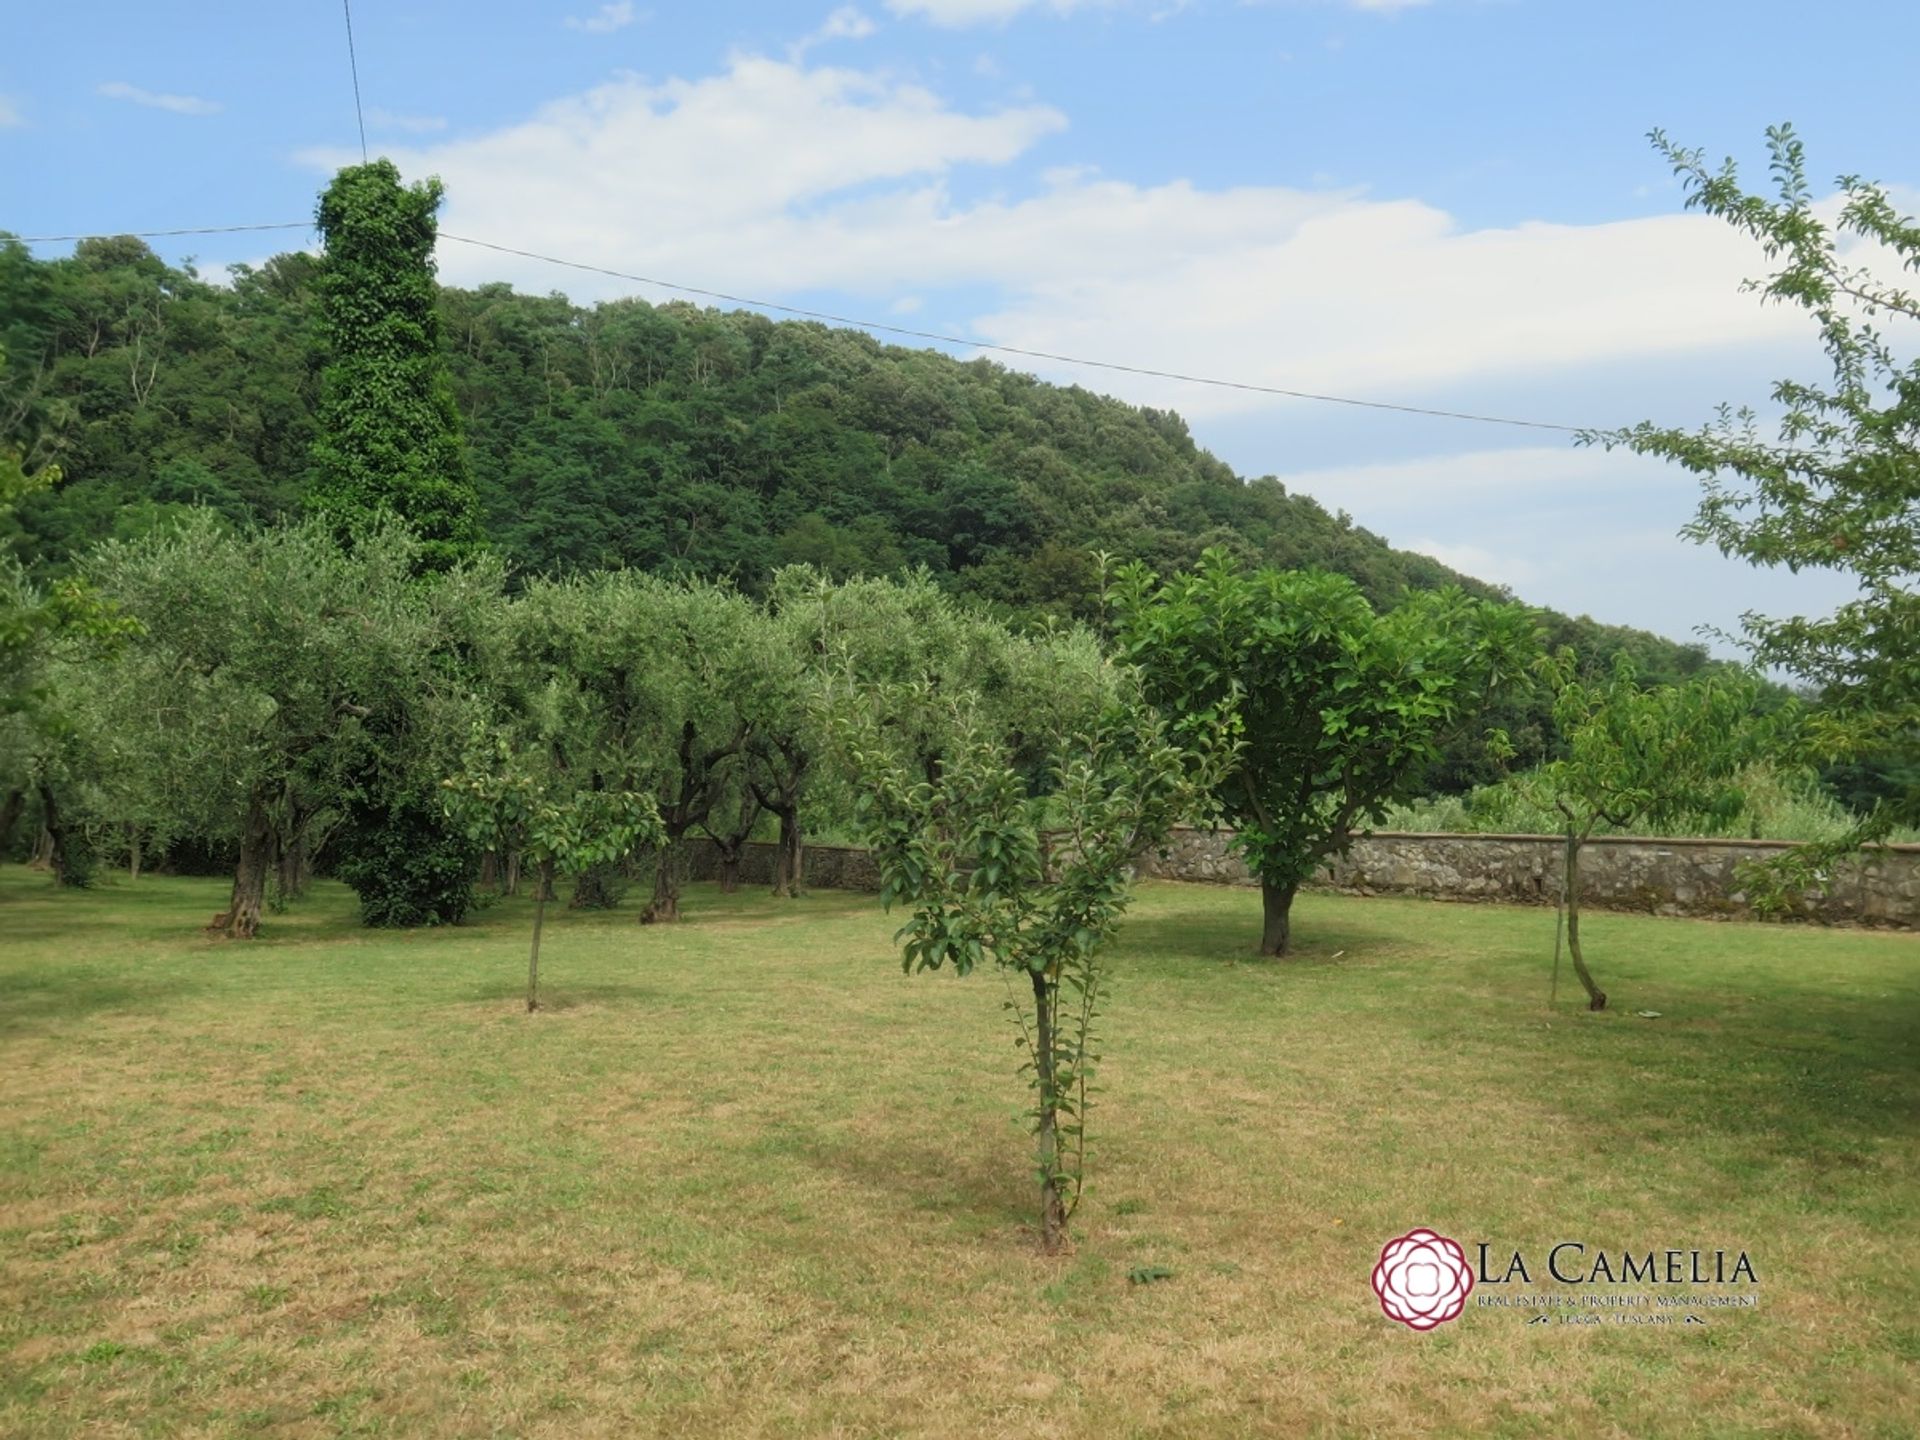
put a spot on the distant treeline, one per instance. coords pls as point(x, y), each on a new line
point(671, 439)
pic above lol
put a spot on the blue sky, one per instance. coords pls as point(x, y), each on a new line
point(1448, 203)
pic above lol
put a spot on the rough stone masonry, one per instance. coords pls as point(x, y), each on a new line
point(1652, 876)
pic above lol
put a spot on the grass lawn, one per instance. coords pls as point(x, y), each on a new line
point(745, 1178)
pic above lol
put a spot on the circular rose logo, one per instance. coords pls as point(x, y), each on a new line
point(1423, 1279)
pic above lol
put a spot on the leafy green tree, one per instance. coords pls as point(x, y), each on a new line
point(529, 802)
point(389, 434)
point(387, 447)
point(268, 664)
point(1837, 484)
point(36, 729)
point(1645, 757)
point(712, 671)
point(1341, 708)
point(967, 850)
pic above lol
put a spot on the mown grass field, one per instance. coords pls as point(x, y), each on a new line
point(745, 1178)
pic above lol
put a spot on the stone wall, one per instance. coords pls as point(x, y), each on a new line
point(1659, 877)
point(825, 867)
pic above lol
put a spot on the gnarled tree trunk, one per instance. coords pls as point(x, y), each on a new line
point(665, 905)
point(787, 878)
point(241, 919)
point(729, 851)
point(63, 847)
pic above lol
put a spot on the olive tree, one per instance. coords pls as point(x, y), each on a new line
point(245, 707)
point(1341, 708)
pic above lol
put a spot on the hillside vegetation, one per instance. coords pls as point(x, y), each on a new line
point(659, 437)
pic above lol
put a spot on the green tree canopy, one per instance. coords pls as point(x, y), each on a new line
point(269, 667)
point(965, 849)
point(1341, 708)
point(1645, 756)
point(1836, 486)
point(388, 442)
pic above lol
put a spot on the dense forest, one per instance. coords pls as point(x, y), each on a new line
point(664, 438)
point(668, 438)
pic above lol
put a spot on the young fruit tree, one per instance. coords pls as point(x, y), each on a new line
point(1836, 486)
point(1642, 757)
point(521, 802)
point(1341, 709)
point(966, 851)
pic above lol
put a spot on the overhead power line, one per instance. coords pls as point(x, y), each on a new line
point(157, 234)
point(1015, 349)
point(936, 336)
point(353, 64)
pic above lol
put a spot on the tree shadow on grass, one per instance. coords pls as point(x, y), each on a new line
point(978, 1187)
point(1202, 935)
point(60, 997)
point(1801, 1078)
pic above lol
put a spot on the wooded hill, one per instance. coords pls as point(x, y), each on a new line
point(666, 438)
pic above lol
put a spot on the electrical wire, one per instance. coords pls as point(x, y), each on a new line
point(353, 63)
point(157, 234)
point(936, 336)
point(1015, 349)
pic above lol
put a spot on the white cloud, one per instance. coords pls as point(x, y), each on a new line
point(956, 13)
point(10, 113)
point(1476, 560)
point(1584, 531)
point(606, 20)
point(774, 178)
point(846, 23)
point(178, 104)
point(406, 124)
point(635, 172)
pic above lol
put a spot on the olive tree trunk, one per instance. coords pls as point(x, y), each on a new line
point(787, 863)
point(241, 919)
point(665, 905)
point(729, 853)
